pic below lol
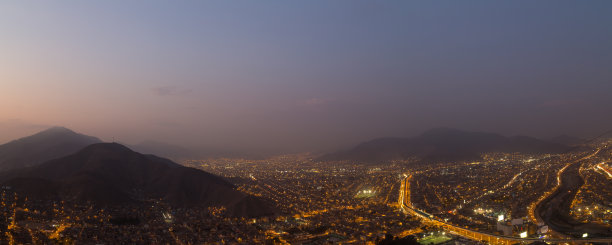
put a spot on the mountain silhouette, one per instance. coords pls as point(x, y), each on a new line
point(171, 151)
point(46, 145)
point(442, 144)
point(112, 174)
point(567, 140)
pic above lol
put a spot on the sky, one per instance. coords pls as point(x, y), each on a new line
point(303, 75)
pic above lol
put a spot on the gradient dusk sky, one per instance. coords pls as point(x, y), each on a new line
point(303, 75)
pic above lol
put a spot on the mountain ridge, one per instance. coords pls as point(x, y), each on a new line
point(112, 174)
point(171, 151)
point(43, 146)
point(441, 144)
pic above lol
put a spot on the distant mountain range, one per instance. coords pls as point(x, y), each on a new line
point(112, 174)
point(567, 140)
point(442, 144)
point(173, 152)
point(38, 148)
point(179, 153)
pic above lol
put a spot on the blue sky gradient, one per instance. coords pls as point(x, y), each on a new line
point(307, 75)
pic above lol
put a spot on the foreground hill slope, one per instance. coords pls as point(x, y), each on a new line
point(112, 174)
point(442, 144)
point(43, 146)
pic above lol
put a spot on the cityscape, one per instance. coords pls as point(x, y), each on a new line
point(506, 198)
point(502, 204)
point(347, 122)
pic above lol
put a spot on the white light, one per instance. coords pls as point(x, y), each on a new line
point(585, 235)
point(500, 217)
point(523, 234)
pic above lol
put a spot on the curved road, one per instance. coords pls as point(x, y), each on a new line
point(554, 209)
point(406, 206)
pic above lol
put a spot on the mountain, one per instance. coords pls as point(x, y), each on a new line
point(112, 174)
point(173, 152)
point(442, 144)
point(567, 140)
point(43, 146)
point(179, 153)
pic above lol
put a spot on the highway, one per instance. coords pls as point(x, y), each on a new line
point(406, 207)
point(605, 170)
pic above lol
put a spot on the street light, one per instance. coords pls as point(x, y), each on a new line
point(500, 217)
